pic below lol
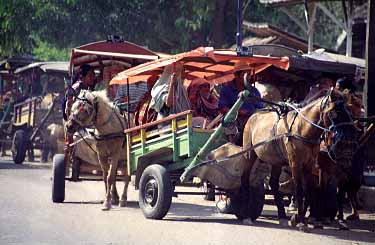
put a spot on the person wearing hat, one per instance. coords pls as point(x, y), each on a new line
point(85, 80)
point(229, 95)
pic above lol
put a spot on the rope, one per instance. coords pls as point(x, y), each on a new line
point(306, 119)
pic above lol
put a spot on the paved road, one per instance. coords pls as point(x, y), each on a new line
point(27, 216)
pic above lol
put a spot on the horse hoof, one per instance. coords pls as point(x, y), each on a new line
point(106, 206)
point(353, 217)
point(283, 222)
point(123, 203)
point(115, 202)
point(302, 227)
point(247, 222)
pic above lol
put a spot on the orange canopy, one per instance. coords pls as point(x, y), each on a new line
point(216, 66)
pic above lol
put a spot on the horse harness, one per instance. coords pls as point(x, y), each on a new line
point(105, 137)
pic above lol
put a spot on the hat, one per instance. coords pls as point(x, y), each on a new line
point(241, 66)
point(84, 69)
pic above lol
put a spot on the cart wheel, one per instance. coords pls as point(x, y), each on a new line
point(248, 203)
point(19, 146)
point(209, 189)
point(58, 178)
point(155, 192)
point(76, 164)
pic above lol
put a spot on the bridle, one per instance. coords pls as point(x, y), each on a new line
point(93, 116)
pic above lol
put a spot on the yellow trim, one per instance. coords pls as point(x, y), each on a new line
point(174, 125)
point(143, 136)
point(189, 118)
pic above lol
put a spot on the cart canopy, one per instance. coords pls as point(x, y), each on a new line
point(124, 53)
point(216, 66)
point(45, 67)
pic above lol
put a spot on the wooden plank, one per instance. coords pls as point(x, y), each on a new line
point(166, 119)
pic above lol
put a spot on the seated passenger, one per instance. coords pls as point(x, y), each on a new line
point(168, 94)
point(203, 102)
point(143, 113)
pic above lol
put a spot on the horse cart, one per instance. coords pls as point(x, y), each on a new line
point(40, 87)
point(107, 58)
point(161, 154)
point(8, 88)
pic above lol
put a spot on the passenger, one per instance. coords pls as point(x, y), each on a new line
point(168, 94)
point(228, 96)
point(322, 84)
point(204, 103)
point(136, 91)
point(143, 113)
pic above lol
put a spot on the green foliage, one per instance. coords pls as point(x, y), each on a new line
point(48, 29)
point(45, 51)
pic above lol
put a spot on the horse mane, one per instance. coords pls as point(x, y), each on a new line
point(102, 96)
point(314, 99)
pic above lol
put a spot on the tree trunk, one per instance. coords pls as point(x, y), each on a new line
point(218, 24)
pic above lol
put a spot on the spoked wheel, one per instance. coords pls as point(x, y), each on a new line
point(248, 202)
point(155, 192)
point(19, 146)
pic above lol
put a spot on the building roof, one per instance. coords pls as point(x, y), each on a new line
point(360, 10)
point(265, 30)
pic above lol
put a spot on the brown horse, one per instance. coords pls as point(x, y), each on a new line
point(298, 135)
point(94, 109)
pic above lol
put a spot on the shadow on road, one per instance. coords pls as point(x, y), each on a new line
point(130, 204)
point(11, 165)
point(360, 231)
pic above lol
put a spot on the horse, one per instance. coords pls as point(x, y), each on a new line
point(296, 141)
point(95, 109)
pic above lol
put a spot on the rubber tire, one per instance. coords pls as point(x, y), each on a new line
point(248, 203)
point(19, 142)
point(164, 193)
point(58, 178)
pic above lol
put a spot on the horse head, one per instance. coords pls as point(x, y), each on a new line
point(341, 138)
point(83, 112)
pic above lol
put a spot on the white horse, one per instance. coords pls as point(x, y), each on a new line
point(95, 109)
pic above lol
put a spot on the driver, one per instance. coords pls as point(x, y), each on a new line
point(85, 80)
point(228, 96)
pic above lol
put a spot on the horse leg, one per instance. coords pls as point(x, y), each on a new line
point(274, 184)
point(340, 204)
point(124, 196)
point(297, 177)
point(111, 182)
point(352, 194)
point(103, 161)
